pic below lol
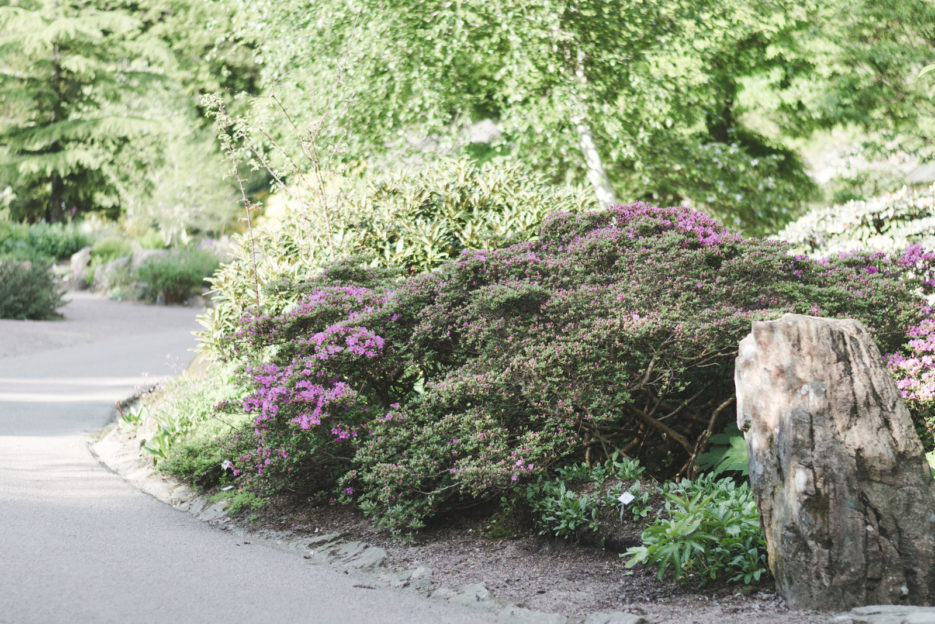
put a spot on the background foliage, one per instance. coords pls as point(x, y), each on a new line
point(412, 220)
point(699, 102)
point(889, 223)
point(28, 291)
point(686, 101)
point(100, 112)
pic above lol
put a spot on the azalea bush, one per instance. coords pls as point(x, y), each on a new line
point(913, 367)
point(613, 331)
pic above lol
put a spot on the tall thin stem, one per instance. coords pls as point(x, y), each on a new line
point(246, 208)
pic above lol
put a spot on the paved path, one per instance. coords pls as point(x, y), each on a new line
point(79, 545)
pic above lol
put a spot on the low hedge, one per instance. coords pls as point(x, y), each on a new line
point(42, 241)
point(28, 291)
point(174, 277)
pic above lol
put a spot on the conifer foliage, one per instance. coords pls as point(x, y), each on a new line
point(65, 68)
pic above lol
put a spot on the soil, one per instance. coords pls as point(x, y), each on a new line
point(538, 573)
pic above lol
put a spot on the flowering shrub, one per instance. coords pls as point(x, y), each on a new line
point(888, 223)
point(307, 418)
point(615, 330)
point(914, 371)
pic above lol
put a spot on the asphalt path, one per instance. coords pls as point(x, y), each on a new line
point(80, 545)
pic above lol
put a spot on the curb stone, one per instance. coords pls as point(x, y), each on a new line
point(886, 614)
point(520, 615)
point(119, 451)
point(615, 617)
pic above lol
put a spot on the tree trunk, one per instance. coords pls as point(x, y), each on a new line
point(597, 175)
point(55, 211)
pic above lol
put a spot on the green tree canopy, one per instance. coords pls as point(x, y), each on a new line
point(64, 69)
point(652, 96)
point(209, 56)
point(639, 93)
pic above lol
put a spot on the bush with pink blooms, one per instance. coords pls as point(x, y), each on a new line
point(914, 370)
point(614, 331)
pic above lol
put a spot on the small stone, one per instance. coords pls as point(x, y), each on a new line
point(369, 559)
point(348, 550)
point(216, 511)
point(420, 578)
point(473, 595)
point(616, 617)
point(519, 615)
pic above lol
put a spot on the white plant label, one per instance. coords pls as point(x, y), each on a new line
point(626, 498)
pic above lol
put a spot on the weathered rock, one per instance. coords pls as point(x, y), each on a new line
point(846, 499)
point(110, 274)
point(78, 265)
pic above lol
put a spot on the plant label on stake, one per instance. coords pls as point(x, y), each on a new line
point(625, 499)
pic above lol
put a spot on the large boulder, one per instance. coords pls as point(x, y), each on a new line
point(78, 265)
point(111, 274)
point(846, 498)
